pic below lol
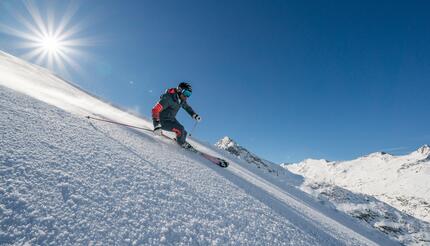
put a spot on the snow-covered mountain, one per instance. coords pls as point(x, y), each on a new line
point(401, 181)
point(240, 152)
point(66, 180)
point(399, 212)
point(374, 186)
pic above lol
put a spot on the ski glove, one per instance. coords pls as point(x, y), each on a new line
point(157, 129)
point(197, 117)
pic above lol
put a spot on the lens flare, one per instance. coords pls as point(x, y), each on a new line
point(49, 43)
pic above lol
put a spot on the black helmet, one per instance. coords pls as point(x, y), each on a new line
point(185, 86)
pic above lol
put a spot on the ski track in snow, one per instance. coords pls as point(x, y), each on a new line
point(67, 180)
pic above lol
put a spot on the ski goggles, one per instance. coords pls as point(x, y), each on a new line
point(186, 93)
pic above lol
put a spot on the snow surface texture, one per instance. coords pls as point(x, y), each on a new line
point(65, 180)
point(391, 193)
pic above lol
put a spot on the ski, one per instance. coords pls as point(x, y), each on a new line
point(215, 160)
point(218, 161)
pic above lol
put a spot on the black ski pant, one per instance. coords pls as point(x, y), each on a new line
point(176, 127)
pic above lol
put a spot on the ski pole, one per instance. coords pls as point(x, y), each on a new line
point(194, 127)
point(118, 123)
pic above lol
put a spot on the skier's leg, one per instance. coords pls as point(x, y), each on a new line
point(181, 134)
point(177, 128)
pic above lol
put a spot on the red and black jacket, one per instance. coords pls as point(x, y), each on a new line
point(168, 107)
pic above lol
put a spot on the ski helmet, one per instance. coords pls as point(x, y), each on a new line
point(185, 86)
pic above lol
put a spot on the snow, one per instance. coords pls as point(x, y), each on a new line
point(395, 223)
point(67, 180)
point(88, 182)
point(391, 193)
point(380, 175)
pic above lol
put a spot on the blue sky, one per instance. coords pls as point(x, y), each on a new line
point(287, 79)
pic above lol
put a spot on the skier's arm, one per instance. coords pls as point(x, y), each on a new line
point(191, 112)
point(160, 106)
point(188, 108)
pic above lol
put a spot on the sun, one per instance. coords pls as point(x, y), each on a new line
point(50, 42)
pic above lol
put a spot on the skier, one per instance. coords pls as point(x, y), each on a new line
point(164, 112)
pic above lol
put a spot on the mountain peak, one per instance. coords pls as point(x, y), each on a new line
point(225, 143)
point(377, 155)
point(227, 138)
point(316, 160)
point(425, 149)
point(228, 144)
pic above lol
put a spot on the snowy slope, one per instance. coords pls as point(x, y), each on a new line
point(67, 180)
point(391, 193)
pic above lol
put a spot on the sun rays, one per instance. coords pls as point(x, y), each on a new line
point(49, 38)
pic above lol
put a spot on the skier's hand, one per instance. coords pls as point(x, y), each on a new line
point(197, 117)
point(157, 129)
